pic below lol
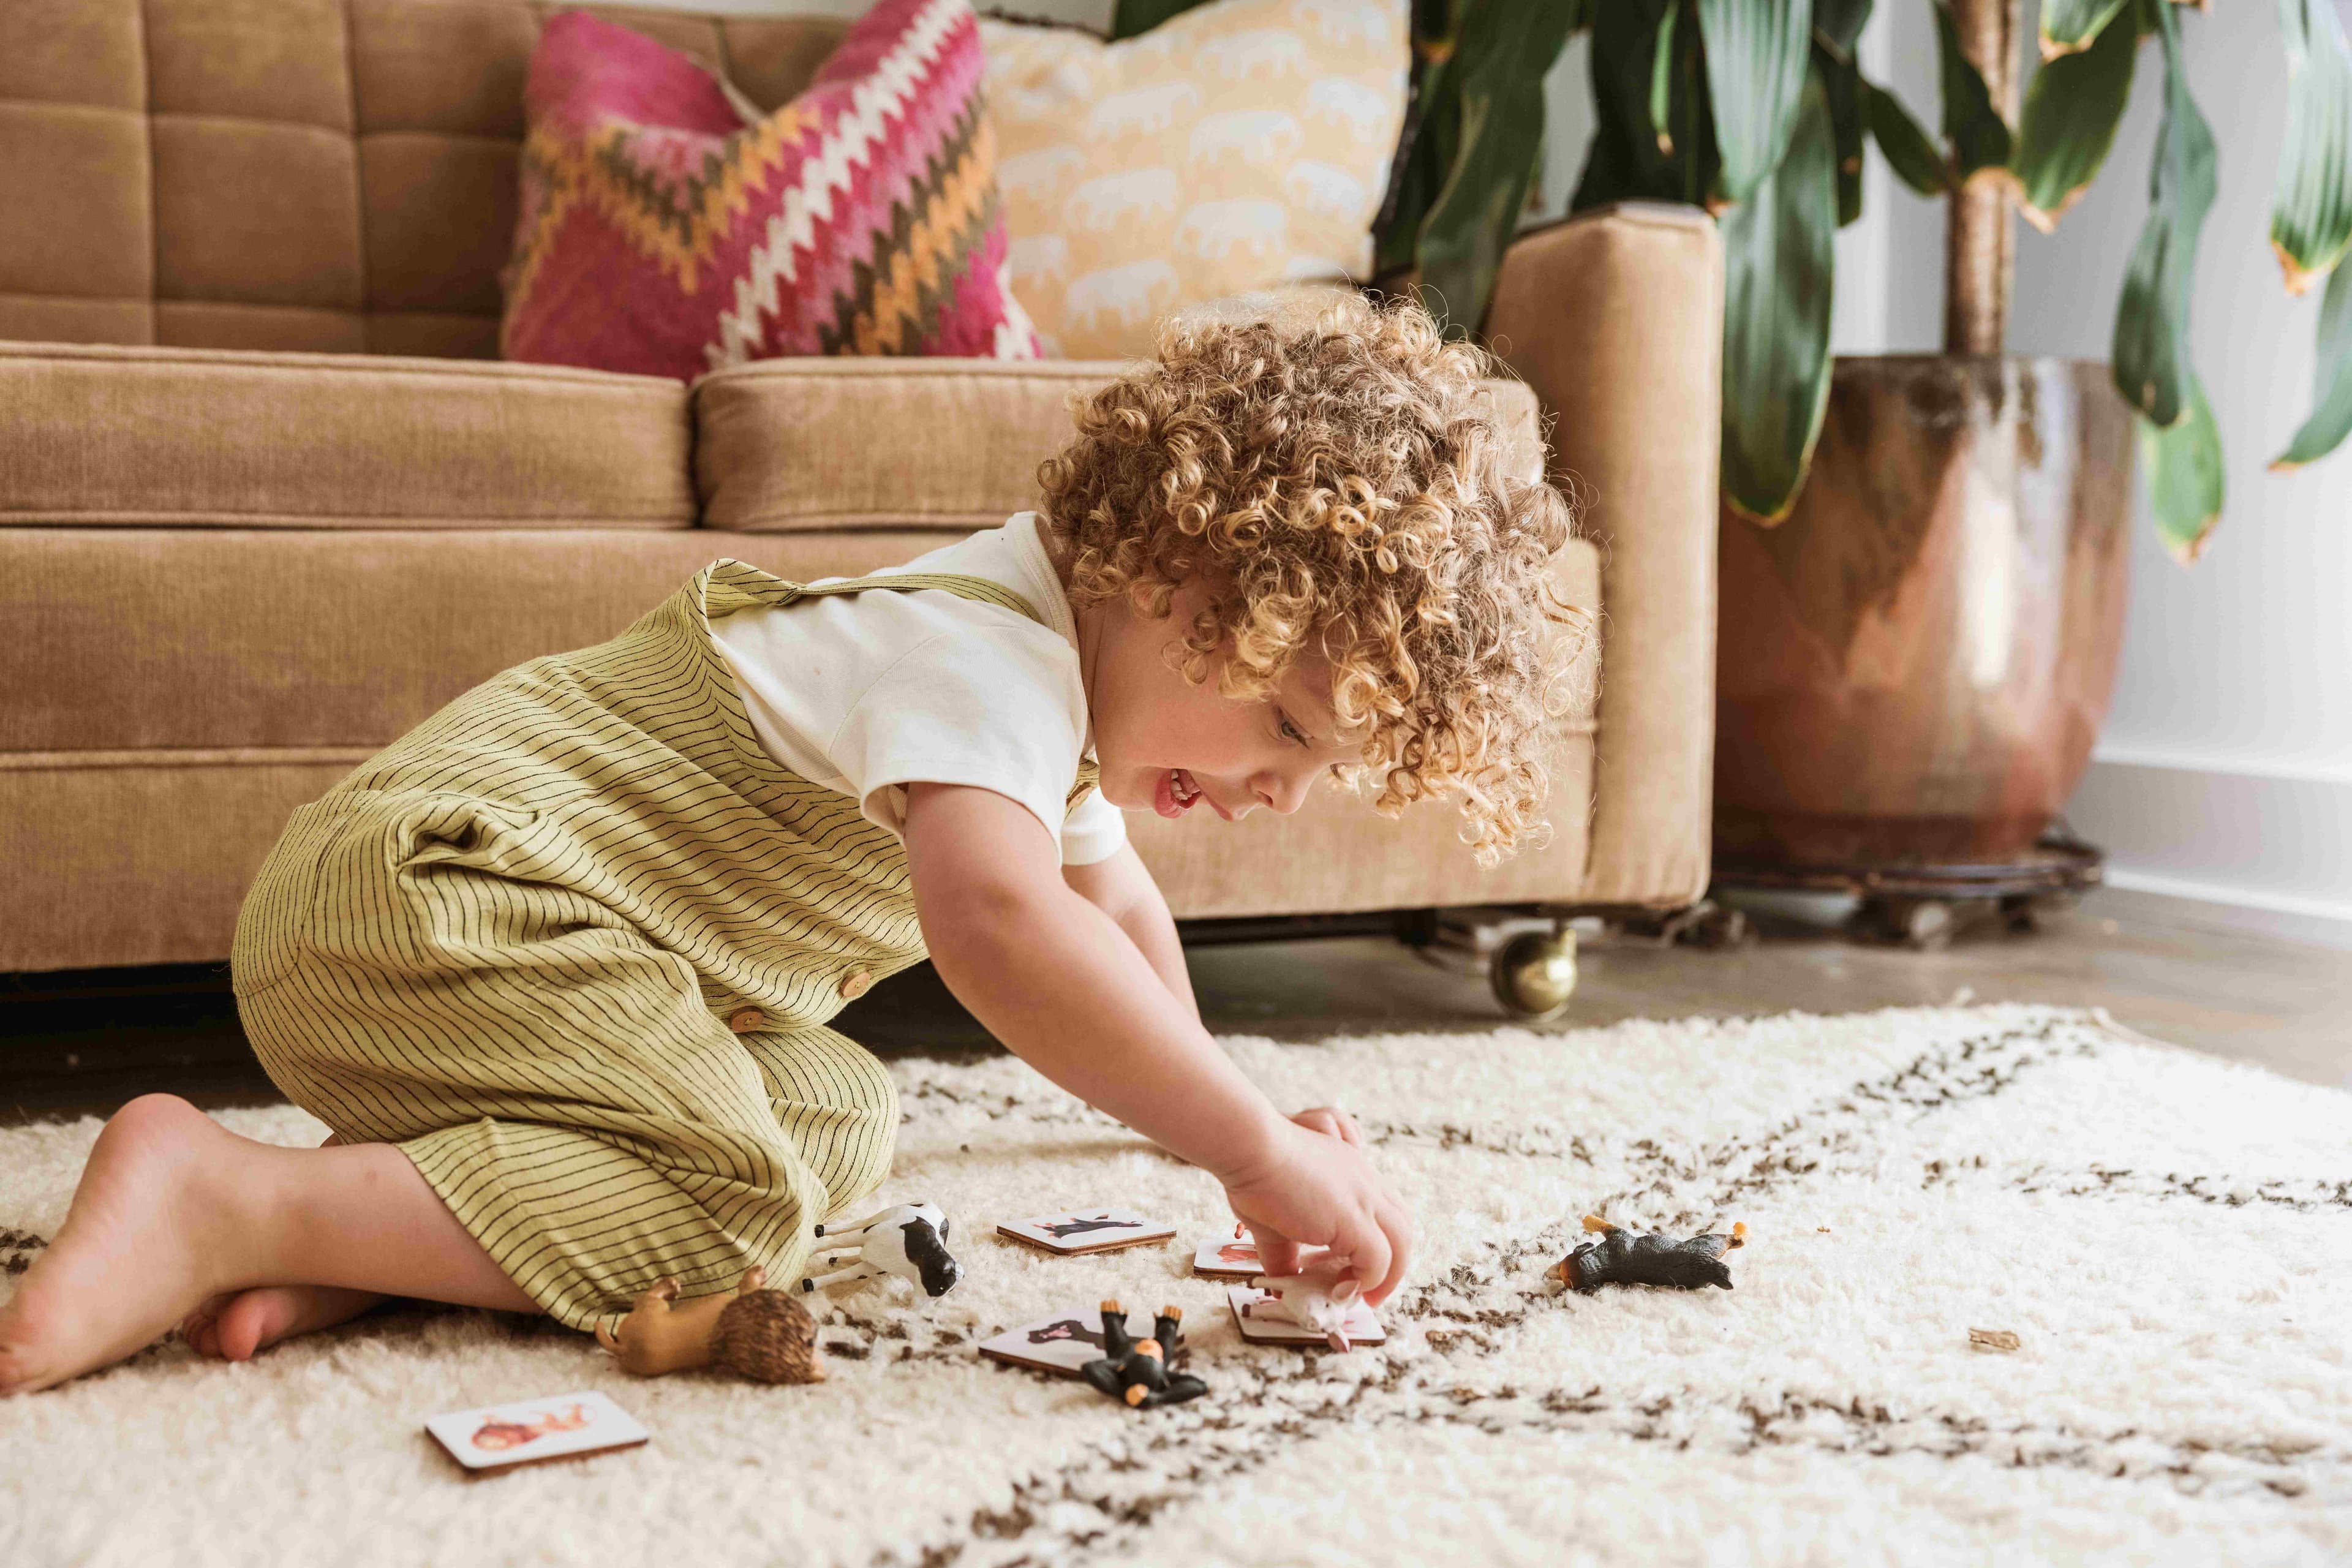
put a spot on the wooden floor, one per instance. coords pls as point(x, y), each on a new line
point(74, 1046)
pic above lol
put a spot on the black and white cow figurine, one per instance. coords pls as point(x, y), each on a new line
point(907, 1239)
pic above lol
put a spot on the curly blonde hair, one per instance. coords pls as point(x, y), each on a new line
point(1343, 490)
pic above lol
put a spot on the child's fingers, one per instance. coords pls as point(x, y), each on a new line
point(1397, 1229)
point(1333, 1121)
point(1370, 1259)
point(1276, 1254)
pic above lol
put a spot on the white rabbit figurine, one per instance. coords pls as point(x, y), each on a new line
point(907, 1239)
point(1314, 1298)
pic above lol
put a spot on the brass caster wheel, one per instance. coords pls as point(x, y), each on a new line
point(1534, 974)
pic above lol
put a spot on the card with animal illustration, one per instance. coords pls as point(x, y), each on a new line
point(500, 1436)
point(1061, 1343)
point(1072, 1231)
point(1228, 1257)
point(1262, 1321)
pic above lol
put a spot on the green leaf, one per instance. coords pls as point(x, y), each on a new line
point(1841, 84)
point(2071, 113)
point(1630, 160)
point(1978, 135)
point(1838, 23)
point(1494, 80)
point(1134, 16)
point(1909, 153)
point(2185, 481)
point(2311, 205)
point(1756, 56)
point(2069, 26)
point(2331, 381)
point(1662, 81)
point(1779, 259)
point(2151, 342)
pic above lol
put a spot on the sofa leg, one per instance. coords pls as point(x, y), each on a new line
point(1534, 973)
point(1705, 924)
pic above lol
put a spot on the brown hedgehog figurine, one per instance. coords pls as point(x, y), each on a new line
point(766, 1336)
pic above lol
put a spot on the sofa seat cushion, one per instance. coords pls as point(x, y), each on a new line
point(152, 646)
point(150, 436)
point(881, 443)
point(182, 690)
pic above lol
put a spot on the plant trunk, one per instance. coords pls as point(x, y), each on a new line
point(1980, 240)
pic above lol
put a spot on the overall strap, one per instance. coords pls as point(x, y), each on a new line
point(977, 588)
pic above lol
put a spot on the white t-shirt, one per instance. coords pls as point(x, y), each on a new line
point(866, 693)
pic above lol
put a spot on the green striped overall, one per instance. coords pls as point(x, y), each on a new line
point(573, 945)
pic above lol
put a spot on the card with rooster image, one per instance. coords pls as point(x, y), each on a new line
point(1232, 1256)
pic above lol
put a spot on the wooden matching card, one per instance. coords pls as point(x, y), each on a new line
point(1360, 1326)
point(1061, 1343)
point(1073, 1233)
point(499, 1437)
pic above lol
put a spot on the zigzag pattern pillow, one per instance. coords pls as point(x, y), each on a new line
point(664, 232)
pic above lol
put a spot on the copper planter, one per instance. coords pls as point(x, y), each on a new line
point(1913, 666)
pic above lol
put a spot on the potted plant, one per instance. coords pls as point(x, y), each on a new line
point(1922, 567)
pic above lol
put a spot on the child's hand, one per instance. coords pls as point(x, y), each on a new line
point(1321, 1190)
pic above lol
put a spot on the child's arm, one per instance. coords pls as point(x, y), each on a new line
point(1121, 887)
point(1064, 987)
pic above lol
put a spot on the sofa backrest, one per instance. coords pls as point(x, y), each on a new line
point(335, 175)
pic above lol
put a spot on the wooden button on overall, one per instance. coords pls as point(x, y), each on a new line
point(855, 984)
point(743, 1020)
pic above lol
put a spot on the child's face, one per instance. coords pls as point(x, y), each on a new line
point(1168, 745)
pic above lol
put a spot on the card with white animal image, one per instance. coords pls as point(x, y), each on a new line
point(1076, 1231)
point(1228, 1257)
point(1258, 1315)
point(500, 1436)
point(1061, 1343)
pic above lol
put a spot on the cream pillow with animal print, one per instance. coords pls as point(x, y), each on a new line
point(1240, 146)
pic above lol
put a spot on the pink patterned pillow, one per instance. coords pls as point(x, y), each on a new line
point(662, 233)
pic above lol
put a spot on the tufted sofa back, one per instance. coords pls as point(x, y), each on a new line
point(335, 175)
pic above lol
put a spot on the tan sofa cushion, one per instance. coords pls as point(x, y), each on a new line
point(137, 641)
point(863, 443)
point(144, 435)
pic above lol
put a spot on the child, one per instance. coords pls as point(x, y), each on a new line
point(556, 967)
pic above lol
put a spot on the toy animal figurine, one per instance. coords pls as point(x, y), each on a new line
point(766, 1336)
point(1620, 1257)
point(1316, 1299)
point(908, 1240)
point(1135, 1372)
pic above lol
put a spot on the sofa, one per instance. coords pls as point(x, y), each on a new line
point(268, 498)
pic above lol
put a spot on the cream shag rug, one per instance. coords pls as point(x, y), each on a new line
point(2169, 1237)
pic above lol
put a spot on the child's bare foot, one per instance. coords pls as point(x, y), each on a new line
point(145, 1240)
point(238, 1324)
